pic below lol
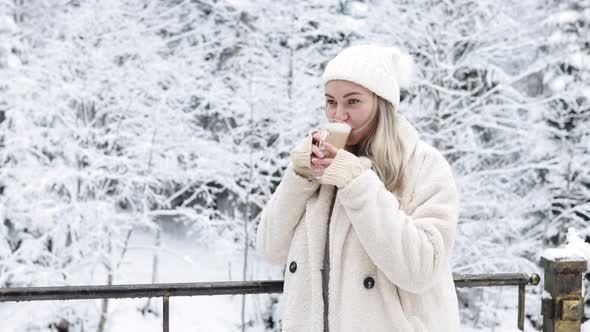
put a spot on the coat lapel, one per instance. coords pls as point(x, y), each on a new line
point(318, 210)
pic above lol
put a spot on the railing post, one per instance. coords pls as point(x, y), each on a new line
point(562, 305)
point(166, 313)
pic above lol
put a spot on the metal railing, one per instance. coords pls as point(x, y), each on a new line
point(165, 291)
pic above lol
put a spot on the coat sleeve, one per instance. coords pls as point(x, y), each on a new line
point(281, 214)
point(412, 250)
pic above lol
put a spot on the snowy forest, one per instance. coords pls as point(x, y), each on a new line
point(140, 140)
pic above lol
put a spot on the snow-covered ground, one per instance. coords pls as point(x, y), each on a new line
point(182, 261)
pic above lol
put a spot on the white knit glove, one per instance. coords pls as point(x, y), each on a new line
point(301, 157)
point(343, 169)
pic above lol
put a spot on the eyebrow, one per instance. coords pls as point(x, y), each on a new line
point(346, 95)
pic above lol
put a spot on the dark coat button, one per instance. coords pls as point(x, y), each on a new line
point(369, 282)
point(293, 267)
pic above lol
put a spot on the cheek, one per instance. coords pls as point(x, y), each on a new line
point(367, 112)
point(361, 117)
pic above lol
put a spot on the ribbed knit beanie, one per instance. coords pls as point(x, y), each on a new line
point(383, 70)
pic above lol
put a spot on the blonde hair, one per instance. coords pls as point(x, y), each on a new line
point(383, 145)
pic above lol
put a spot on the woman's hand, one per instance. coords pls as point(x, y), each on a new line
point(302, 154)
point(320, 161)
point(315, 149)
point(338, 167)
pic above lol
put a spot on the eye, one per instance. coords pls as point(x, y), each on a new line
point(350, 101)
point(330, 101)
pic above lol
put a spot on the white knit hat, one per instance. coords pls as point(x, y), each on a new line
point(383, 70)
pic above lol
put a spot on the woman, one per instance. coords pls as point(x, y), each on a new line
point(382, 212)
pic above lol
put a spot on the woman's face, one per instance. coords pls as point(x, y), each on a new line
point(352, 103)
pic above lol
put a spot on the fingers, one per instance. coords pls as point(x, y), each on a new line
point(319, 165)
point(316, 151)
point(331, 148)
point(318, 170)
point(319, 162)
point(322, 162)
point(316, 137)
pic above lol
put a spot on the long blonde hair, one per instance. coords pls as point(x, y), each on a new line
point(383, 145)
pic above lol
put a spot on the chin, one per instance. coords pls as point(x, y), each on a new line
point(351, 142)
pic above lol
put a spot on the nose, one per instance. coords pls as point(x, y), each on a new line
point(341, 114)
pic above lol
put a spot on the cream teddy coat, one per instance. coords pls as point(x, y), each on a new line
point(390, 253)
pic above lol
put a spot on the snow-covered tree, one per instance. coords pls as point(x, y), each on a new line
point(94, 140)
point(167, 115)
point(566, 137)
point(568, 119)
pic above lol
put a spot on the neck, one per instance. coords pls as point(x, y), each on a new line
point(354, 149)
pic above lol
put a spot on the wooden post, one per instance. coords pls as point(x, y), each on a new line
point(563, 305)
